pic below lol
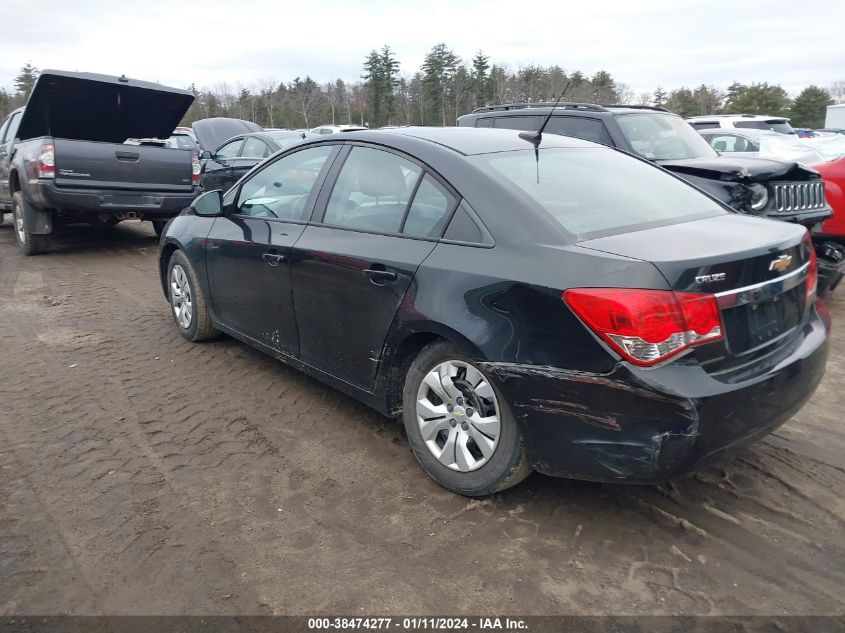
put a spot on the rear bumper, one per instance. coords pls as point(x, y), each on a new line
point(647, 426)
point(46, 195)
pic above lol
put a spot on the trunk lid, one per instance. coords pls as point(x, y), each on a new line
point(757, 269)
point(212, 133)
point(91, 107)
point(85, 164)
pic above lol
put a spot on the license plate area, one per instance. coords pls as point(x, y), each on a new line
point(753, 325)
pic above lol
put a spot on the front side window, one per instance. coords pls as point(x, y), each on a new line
point(3, 129)
point(372, 191)
point(14, 121)
point(732, 143)
point(659, 136)
point(282, 188)
point(230, 149)
point(255, 148)
point(571, 186)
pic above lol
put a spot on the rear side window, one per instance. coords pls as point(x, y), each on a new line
point(591, 191)
point(527, 123)
point(579, 127)
point(372, 191)
point(485, 122)
point(775, 125)
point(3, 129)
point(9, 134)
point(429, 211)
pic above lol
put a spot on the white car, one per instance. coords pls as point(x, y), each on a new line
point(766, 144)
point(336, 129)
point(777, 124)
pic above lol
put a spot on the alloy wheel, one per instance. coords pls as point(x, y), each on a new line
point(458, 415)
point(180, 297)
point(17, 217)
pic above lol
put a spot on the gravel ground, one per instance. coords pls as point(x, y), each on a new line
point(141, 474)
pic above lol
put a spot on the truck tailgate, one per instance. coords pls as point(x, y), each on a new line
point(95, 165)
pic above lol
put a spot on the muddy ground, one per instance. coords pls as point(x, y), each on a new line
point(142, 474)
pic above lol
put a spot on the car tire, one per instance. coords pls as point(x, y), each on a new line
point(471, 473)
point(158, 226)
point(29, 243)
point(187, 301)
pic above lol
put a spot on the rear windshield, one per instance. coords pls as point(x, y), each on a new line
point(775, 125)
point(598, 191)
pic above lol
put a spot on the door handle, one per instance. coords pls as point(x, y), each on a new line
point(379, 276)
point(273, 259)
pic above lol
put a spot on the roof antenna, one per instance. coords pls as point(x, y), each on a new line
point(535, 137)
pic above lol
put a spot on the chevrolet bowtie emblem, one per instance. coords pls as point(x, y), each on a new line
point(780, 264)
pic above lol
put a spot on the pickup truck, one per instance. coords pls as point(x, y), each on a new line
point(64, 156)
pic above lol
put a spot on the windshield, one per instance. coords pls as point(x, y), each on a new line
point(659, 136)
point(775, 125)
point(597, 190)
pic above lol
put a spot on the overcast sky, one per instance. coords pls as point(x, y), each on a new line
point(642, 43)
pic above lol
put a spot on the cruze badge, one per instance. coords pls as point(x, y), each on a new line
point(780, 264)
point(706, 279)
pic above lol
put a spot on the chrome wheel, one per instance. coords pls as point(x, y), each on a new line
point(17, 217)
point(180, 297)
point(458, 415)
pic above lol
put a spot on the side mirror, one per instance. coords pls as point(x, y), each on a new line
point(206, 155)
point(208, 204)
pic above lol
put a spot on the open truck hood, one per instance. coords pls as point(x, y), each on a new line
point(212, 133)
point(90, 107)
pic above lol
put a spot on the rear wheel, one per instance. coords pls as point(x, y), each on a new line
point(187, 300)
point(459, 425)
point(29, 243)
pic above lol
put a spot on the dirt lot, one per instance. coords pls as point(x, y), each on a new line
point(141, 474)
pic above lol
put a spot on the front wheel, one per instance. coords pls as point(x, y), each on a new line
point(29, 243)
point(459, 426)
point(187, 300)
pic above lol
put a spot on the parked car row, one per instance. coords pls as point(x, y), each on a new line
point(526, 298)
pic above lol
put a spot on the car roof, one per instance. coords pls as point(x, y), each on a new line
point(741, 117)
point(468, 140)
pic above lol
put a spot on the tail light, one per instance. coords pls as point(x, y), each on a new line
point(812, 268)
point(47, 161)
point(195, 169)
point(647, 327)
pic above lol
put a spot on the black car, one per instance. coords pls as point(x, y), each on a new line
point(756, 186)
point(223, 167)
point(517, 309)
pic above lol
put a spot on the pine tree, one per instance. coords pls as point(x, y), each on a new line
point(482, 89)
point(659, 97)
point(25, 80)
point(810, 107)
point(439, 69)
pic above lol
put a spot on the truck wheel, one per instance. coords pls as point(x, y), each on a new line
point(29, 244)
point(158, 226)
point(187, 300)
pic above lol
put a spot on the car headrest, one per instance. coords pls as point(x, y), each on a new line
point(381, 177)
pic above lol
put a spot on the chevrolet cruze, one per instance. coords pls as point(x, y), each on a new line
point(563, 307)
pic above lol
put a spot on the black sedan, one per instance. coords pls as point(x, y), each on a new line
point(223, 167)
point(573, 310)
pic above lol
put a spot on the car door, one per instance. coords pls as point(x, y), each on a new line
point(248, 248)
point(217, 170)
point(374, 224)
point(7, 138)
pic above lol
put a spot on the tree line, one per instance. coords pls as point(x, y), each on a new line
point(446, 86)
